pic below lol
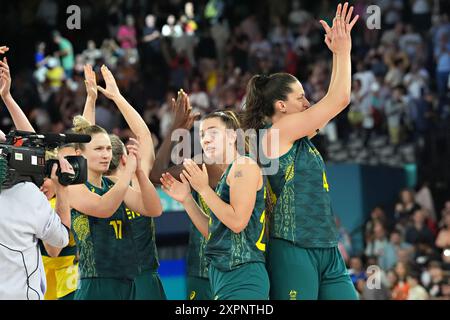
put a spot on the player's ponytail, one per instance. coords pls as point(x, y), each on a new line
point(262, 92)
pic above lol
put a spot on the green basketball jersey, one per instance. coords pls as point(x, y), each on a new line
point(197, 264)
point(302, 213)
point(226, 250)
point(143, 230)
point(106, 245)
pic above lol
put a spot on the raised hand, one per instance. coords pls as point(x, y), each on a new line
point(198, 178)
point(177, 190)
point(66, 167)
point(90, 82)
point(3, 49)
point(341, 14)
point(112, 90)
point(134, 149)
point(5, 78)
point(181, 108)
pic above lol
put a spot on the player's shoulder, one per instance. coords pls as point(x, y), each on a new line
point(245, 164)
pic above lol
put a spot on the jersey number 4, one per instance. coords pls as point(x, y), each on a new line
point(259, 244)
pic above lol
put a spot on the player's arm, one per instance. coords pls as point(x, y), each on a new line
point(133, 119)
point(297, 125)
point(142, 197)
point(19, 118)
point(244, 180)
point(181, 192)
point(92, 204)
point(91, 94)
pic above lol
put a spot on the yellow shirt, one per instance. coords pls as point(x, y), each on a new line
point(61, 272)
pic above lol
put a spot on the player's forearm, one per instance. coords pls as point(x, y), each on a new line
point(150, 198)
point(51, 250)
point(19, 118)
point(62, 207)
point(338, 96)
point(140, 129)
point(333, 71)
point(197, 216)
point(89, 110)
point(162, 160)
point(111, 201)
point(223, 211)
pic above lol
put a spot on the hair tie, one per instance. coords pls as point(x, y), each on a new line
point(262, 80)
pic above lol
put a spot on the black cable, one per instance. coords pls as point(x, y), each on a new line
point(26, 270)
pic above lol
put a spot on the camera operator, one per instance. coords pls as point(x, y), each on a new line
point(27, 216)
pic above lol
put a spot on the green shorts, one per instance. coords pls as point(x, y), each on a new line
point(149, 287)
point(70, 296)
point(105, 289)
point(307, 273)
point(248, 282)
point(198, 288)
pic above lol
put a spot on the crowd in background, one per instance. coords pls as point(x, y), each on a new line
point(410, 249)
point(212, 48)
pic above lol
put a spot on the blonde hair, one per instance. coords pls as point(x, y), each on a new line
point(51, 154)
point(82, 126)
point(118, 150)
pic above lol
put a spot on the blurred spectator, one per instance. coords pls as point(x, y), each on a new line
point(434, 280)
point(344, 240)
point(220, 32)
point(111, 53)
point(355, 115)
point(170, 29)
point(378, 243)
point(392, 36)
point(365, 76)
point(421, 14)
point(389, 257)
point(416, 291)
point(418, 234)
point(356, 270)
point(410, 42)
point(370, 113)
point(297, 15)
point(424, 199)
point(394, 109)
point(91, 54)
point(40, 61)
point(165, 114)
point(65, 52)
point(55, 73)
point(376, 215)
point(443, 239)
point(151, 37)
point(416, 81)
point(405, 208)
point(127, 39)
point(198, 97)
point(401, 287)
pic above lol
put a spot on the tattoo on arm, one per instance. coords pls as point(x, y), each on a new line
point(238, 174)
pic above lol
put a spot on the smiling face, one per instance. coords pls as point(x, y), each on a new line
point(98, 153)
point(216, 140)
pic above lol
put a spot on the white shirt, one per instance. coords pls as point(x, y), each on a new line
point(26, 216)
